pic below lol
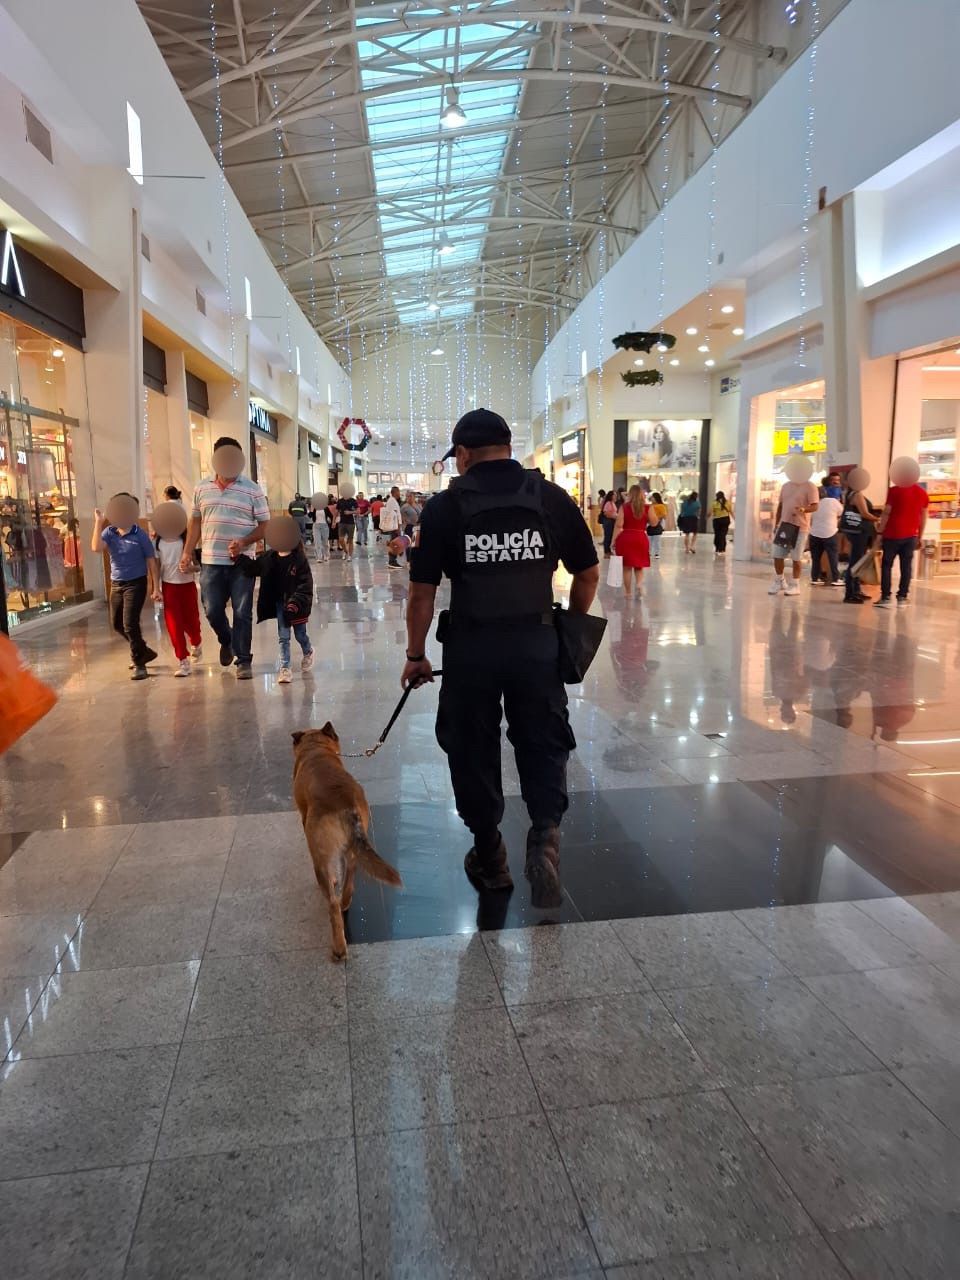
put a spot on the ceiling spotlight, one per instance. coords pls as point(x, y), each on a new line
point(662, 346)
point(452, 116)
point(709, 363)
point(57, 353)
point(727, 310)
point(437, 350)
point(674, 362)
point(692, 331)
point(638, 362)
point(433, 305)
point(444, 243)
point(738, 332)
point(703, 347)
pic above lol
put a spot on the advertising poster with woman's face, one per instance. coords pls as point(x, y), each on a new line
point(665, 445)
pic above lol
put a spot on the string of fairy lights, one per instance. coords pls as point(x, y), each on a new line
point(224, 209)
point(714, 131)
point(806, 195)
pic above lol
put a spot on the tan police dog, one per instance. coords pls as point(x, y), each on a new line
point(336, 819)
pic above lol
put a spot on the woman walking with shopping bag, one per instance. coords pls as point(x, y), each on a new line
point(630, 539)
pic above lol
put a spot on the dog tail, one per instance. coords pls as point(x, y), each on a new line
point(369, 859)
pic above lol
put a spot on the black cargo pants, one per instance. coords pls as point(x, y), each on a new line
point(488, 671)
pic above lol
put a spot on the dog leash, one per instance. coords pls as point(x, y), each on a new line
point(372, 751)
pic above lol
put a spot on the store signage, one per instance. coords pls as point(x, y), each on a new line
point(263, 421)
point(728, 384)
point(11, 277)
point(810, 438)
point(570, 446)
point(313, 448)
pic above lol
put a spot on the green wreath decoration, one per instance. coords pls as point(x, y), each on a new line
point(354, 446)
point(644, 341)
point(642, 377)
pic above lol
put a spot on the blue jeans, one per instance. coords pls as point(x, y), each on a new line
point(218, 584)
point(893, 549)
point(361, 522)
point(299, 630)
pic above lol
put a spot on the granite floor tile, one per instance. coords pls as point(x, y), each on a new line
point(140, 936)
point(92, 1109)
point(278, 1213)
point(486, 1200)
point(937, 1085)
point(259, 995)
point(178, 881)
point(110, 1009)
point(59, 876)
point(857, 1150)
point(70, 1226)
point(17, 997)
point(35, 944)
point(254, 868)
point(766, 1033)
point(77, 843)
point(927, 923)
point(611, 1049)
point(438, 1069)
point(826, 937)
point(181, 837)
point(907, 1017)
point(258, 1091)
point(806, 1258)
point(250, 924)
point(706, 1182)
point(568, 961)
point(697, 950)
point(411, 979)
point(924, 1247)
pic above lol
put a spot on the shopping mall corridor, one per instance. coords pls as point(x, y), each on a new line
point(735, 1050)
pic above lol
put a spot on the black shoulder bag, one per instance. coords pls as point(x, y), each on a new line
point(579, 635)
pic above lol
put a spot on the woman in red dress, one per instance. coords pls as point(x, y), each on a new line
point(630, 538)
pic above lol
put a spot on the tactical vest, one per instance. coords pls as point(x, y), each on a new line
point(504, 555)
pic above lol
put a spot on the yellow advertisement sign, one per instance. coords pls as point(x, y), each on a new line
point(815, 437)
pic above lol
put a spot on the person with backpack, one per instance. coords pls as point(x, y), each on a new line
point(608, 518)
point(497, 532)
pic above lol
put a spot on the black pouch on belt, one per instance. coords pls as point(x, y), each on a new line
point(443, 625)
point(580, 635)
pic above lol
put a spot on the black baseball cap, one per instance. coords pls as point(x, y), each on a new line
point(479, 429)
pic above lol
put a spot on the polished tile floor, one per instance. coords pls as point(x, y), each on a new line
point(735, 1050)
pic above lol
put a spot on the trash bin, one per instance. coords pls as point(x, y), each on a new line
point(929, 565)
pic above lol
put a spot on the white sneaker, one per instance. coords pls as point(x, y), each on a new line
point(183, 668)
point(776, 586)
point(902, 604)
point(198, 653)
point(285, 676)
point(792, 588)
point(838, 582)
point(307, 660)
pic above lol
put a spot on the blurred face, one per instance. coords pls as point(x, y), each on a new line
point(283, 533)
point(228, 461)
point(123, 511)
point(169, 520)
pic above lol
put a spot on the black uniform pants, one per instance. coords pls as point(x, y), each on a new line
point(126, 604)
point(488, 671)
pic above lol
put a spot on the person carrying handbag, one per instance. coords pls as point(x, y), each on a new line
point(608, 518)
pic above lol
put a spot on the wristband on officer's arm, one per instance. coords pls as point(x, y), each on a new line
point(416, 657)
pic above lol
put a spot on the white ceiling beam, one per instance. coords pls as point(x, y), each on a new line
point(412, 23)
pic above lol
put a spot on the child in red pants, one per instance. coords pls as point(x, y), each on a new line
point(180, 608)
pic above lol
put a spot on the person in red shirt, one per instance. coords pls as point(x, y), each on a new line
point(901, 528)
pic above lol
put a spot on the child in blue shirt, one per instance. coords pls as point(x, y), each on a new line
point(133, 573)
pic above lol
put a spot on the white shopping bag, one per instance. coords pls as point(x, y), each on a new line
point(615, 572)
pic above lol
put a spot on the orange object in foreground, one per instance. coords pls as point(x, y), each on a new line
point(24, 698)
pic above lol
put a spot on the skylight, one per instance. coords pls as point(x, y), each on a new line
point(455, 162)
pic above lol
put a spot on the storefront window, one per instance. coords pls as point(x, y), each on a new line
point(569, 469)
point(664, 456)
point(40, 543)
point(789, 421)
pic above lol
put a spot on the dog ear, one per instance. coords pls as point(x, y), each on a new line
point(330, 732)
point(297, 737)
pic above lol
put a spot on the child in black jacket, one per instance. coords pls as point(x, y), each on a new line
point(286, 593)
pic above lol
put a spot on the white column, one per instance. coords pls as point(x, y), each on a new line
point(180, 462)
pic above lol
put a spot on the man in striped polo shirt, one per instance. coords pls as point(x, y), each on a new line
point(232, 513)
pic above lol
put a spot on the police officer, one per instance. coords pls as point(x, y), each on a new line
point(497, 533)
point(299, 508)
